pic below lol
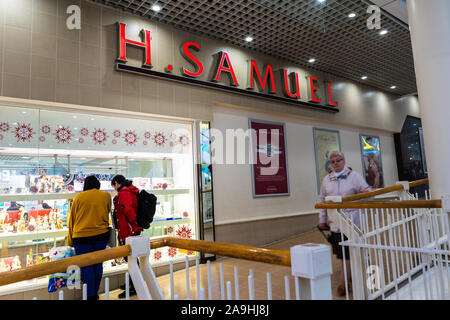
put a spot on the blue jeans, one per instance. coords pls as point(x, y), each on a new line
point(91, 275)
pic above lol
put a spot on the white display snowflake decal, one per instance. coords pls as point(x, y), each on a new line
point(184, 232)
point(4, 126)
point(84, 131)
point(45, 129)
point(147, 135)
point(183, 140)
point(172, 252)
point(23, 132)
point(159, 139)
point(63, 134)
point(130, 137)
point(99, 136)
point(116, 133)
point(157, 255)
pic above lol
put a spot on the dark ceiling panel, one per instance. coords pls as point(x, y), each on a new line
point(295, 31)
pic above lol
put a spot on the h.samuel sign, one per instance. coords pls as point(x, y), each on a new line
point(260, 82)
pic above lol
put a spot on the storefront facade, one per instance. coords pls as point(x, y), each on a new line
point(148, 87)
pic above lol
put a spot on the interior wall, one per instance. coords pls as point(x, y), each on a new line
point(41, 59)
point(233, 199)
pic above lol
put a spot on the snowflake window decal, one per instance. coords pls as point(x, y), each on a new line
point(147, 135)
point(1, 136)
point(114, 141)
point(159, 139)
point(84, 131)
point(99, 136)
point(42, 139)
point(172, 252)
point(81, 140)
point(130, 137)
point(116, 133)
point(45, 129)
point(23, 132)
point(184, 232)
point(4, 126)
point(157, 255)
point(183, 140)
point(170, 229)
point(63, 134)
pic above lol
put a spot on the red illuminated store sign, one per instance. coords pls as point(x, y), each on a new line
point(258, 81)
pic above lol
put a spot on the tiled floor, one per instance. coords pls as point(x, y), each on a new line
point(259, 270)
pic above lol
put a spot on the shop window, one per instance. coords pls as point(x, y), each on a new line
point(45, 156)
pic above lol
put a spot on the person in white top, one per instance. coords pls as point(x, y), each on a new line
point(342, 181)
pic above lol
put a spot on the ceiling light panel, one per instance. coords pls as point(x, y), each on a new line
point(292, 30)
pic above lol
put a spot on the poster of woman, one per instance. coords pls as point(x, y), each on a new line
point(371, 160)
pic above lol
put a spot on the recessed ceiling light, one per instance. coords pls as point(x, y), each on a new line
point(364, 77)
point(352, 15)
point(321, 1)
point(156, 8)
point(312, 60)
point(248, 39)
point(383, 32)
point(393, 87)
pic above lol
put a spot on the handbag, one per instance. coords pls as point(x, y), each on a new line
point(112, 240)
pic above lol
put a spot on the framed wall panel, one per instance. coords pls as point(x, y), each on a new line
point(325, 141)
point(371, 160)
point(270, 176)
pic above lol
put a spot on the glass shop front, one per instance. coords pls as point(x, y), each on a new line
point(45, 156)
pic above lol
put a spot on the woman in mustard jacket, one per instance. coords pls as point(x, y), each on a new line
point(88, 229)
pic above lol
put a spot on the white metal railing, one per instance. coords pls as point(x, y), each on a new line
point(397, 253)
point(310, 282)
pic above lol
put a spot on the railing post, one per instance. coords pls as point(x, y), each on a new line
point(401, 193)
point(333, 214)
point(446, 210)
point(312, 264)
point(143, 277)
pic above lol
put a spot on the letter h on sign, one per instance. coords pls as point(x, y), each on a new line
point(123, 41)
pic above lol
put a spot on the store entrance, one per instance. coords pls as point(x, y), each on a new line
point(205, 190)
point(410, 152)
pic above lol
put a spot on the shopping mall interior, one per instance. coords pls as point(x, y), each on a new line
point(294, 148)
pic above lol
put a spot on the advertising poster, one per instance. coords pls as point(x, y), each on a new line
point(325, 141)
point(268, 158)
point(371, 160)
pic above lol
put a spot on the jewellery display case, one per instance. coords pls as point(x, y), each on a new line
point(45, 156)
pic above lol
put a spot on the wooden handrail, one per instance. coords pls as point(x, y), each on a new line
point(381, 204)
point(365, 195)
point(279, 257)
point(416, 183)
point(272, 256)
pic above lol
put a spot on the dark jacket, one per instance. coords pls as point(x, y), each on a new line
point(125, 210)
